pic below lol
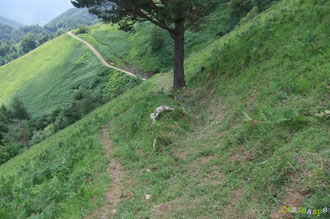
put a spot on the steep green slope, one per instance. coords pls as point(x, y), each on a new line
point(150, 49)
point(48, 77)
point(129, 50)
point(253, 140)
point(67, 170)
point(16, 74)
point(250, 139)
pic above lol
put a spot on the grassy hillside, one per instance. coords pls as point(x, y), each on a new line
point(48, 77)
point(128, 49)
point(19, 72)
point(253, 140)
point(248, 136)
point(67, 169)
point(150, 49)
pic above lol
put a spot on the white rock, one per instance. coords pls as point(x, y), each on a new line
point(148, 197)
point(158, 111)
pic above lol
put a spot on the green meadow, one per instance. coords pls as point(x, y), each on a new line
point(48, 77)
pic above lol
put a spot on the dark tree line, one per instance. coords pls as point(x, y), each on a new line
point(14, 130)
point(17, 42)
point(18, 131)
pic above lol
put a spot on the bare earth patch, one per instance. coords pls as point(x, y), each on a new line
point(160, 211)
point(294, 199)
point(231, 209)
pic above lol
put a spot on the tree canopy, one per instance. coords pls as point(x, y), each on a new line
point(163, 13)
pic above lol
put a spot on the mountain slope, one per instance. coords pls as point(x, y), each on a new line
point(9, 22)
point(149, 49)
point(48, 77)
point(33, 77)
point(247, 138)
point(72, 18)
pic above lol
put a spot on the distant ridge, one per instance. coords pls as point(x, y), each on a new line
point(72, 18)
point(9, 22)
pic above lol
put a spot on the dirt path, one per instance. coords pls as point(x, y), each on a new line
point(116, 173)
point(98, 55)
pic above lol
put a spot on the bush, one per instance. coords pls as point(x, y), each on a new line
point(157, 39)
point(9, 150)
point(82, 29)
point(250, 15)
point(19, 110)
point(28, 43)
point(39, 136)
point(240, 8)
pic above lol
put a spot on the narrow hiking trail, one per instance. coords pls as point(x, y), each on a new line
point(115, 170)
point(98, 55)
point(116, 173)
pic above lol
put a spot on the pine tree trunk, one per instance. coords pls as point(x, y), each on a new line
point(178, 36)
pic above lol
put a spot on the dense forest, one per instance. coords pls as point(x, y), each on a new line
point(16, 40)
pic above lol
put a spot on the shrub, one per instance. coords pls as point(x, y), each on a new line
point(39, 136)
point(240, 8)
point(250, 15)
point(28, 43)
point(82, 29)
point(19, 110)
point(9, 150)
point(157, 39)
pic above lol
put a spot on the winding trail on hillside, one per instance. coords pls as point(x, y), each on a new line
point(98, 55)
point(116, 173)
